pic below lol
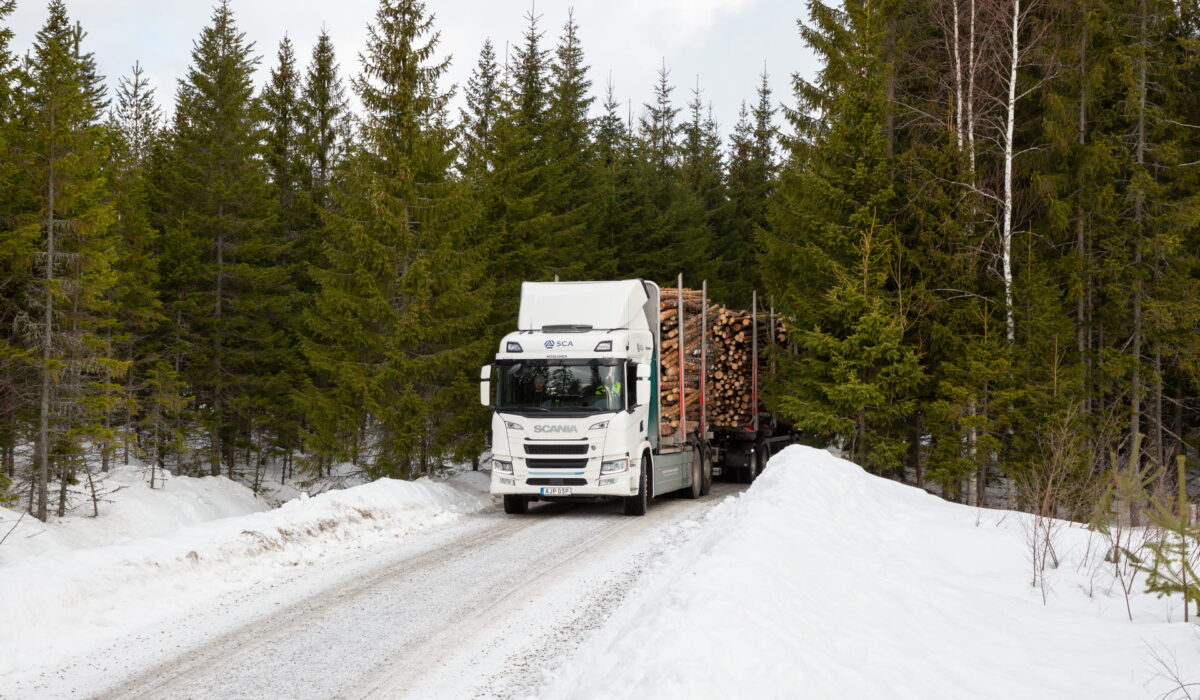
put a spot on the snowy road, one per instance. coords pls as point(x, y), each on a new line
point(484, 607)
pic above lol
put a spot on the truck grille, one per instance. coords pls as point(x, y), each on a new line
point(577, 449)
point(556, 463)
point(556, 482)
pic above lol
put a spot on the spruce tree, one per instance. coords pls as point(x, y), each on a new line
point(518, 209)
point(672, 234)
point(224, 266)
point(76, 251)
point(283, 146)
point(570, 159)
point(478, 120)
point(608, 218)
point(751, 178)
point(18, 372)
point(394, 330)
point(831, 252)
point(135, 125)
point(702, 173)
point(322, 117)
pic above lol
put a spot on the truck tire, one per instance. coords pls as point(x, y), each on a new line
point(697, 488)
point(750, 471)
point(515, 504)
point(637, 505)
point(706, 477)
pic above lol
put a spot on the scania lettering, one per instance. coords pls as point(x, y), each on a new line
point(578, 417)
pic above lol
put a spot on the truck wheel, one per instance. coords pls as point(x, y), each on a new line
point(637, 505)
point(750, 471)
point(515, 505)
point(706, 477)
point(697, 488)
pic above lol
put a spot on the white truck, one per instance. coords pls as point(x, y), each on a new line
point(577, 407)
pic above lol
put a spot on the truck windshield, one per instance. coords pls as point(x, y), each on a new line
point(562, 386)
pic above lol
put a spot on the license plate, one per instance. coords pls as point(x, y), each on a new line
point(556, 491)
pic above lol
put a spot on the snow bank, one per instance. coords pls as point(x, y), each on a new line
point(129, 509)
point(61, 602)
point(823, 581)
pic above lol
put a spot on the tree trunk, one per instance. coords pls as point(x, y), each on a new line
point(956, 60)
point(43, 472)
point(1160, 453)
point(1082, 312)
point(971, 93)
point(1135, 401)
point(218, 417)
point(1009, 124)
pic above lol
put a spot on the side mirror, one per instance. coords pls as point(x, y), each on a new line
point(485, 385)
point(643, 371)
point(643, 385)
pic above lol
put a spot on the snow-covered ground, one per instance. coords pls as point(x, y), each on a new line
point(129, 509)
point(195, 541)
point(817, 581)
point(823, 581)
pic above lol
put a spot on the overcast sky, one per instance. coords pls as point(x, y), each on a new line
point(724, 43)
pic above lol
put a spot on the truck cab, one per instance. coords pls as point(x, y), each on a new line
point(575, 398)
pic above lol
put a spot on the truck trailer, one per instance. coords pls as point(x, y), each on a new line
point(577, 405)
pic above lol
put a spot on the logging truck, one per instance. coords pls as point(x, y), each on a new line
point(605, 391)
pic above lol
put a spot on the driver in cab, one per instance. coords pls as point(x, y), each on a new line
point(608, 389)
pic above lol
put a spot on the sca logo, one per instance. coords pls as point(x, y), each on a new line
point(551, 344)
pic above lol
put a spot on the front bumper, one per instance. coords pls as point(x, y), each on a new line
point(619, 484)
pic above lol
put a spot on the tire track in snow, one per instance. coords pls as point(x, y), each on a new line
point(429, 624)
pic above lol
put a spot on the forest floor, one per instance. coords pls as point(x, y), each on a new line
point(817, 581)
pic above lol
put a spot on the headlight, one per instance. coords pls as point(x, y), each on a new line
point(512, 426)
point(616, 465)
point(599, 426)
point(501, 467)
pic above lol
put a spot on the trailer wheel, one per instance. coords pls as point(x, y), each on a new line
point(706, 469)
point(750, 471)
point(696, 490)
point(515, 504)
point(637, 505)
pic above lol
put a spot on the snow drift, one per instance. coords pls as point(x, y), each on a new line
point(64, 600)
point(129, 509)
point(823, 581)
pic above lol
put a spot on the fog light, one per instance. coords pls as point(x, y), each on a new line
point(607, 482)
point(507, 482)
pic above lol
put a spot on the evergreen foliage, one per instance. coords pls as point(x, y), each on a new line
point(135, 124)
point(322, 119)
point(271, 275)
point(224, 265)
point(830, 257)
point(390, 336)
point(69, 307)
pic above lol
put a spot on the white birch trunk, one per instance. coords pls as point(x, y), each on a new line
point(1009, 123)
point(958, 80)
point(971, 92)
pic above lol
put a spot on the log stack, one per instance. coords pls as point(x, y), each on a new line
point(729, 363)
